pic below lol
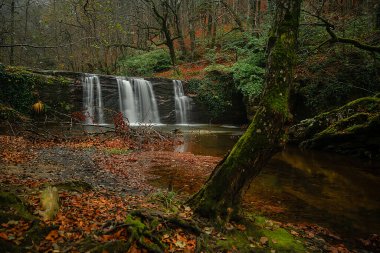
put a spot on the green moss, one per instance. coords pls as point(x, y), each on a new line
point(20, 87)
point(279, 239)
point(347, 126)
point(12, 207)
point(136, 224)
point(282, 241)
point(278, 101)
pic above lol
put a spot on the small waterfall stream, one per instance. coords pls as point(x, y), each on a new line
point(92, 100)
point(182, 103)
point(126, 100)
point(137, 101)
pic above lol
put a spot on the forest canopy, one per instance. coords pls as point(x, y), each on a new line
point(94, 35)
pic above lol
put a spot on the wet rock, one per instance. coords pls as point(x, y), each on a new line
point(351, 129)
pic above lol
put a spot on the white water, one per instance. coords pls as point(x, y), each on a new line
point(137, 101)
point(182, 103)
point(126, 100)
point(92, 100)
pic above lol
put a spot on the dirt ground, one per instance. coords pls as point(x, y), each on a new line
point(101, 182)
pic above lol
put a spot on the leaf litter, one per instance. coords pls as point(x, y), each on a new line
point(121, 175)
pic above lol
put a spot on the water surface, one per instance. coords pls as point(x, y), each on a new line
point(334, 191)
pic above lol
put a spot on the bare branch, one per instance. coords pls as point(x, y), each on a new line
point(336, 39)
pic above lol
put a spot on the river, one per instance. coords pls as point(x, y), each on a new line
point(333, 191)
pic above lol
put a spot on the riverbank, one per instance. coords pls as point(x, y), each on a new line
point(101, 183)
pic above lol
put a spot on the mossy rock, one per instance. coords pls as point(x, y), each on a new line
point(9, 114)
point(13, 208)
point(351, 129)
point(20, 88)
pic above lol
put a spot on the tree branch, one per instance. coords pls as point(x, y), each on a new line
point(126, 46)
point(336, 39)
point(28, 45)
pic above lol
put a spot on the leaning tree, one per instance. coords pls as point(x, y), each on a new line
point(222, 193)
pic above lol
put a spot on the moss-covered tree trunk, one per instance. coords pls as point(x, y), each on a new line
point(221, 195)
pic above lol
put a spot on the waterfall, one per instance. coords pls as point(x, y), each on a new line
point(137, 101)
point(182, 103)
point(92, 100)
point(126, 100)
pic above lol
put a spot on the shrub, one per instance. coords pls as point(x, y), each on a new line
point(248, 75)
point(145, 64)
point(16, 89)
point(214, 95)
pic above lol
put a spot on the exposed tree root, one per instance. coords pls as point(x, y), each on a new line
point(141, 229)
point(169, 220)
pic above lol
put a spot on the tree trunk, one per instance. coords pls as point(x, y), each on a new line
point(169, 43)
point(13, 32)
point(253, 7)
point(192, 39)
point(222, 194)
point(378, 17)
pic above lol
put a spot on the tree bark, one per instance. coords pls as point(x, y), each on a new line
point(222, 194)
point(253, 7)
point(13, 32)
point(378, 17)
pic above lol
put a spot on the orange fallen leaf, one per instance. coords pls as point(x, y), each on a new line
point(4, 236)
point(52, 236)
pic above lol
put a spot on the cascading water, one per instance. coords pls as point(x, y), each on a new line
point(137, 101)
point(92, 100)
point(126, 100)
point(182, 103)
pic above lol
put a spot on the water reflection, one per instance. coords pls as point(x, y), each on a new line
point(207, 139)
point(306, 186)
point(334, 191)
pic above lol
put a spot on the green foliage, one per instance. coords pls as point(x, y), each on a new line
point(249, 75)
point(16, 90)
point(166, 198)
point(20, 89)
point(336, 79)
point(216, 69)
point(145, 64)
point(216, 96)
point(248, 71)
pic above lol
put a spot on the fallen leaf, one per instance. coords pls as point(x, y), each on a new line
point(294, 233)
point(264, 240)
point(180, 244)
point(4, 236)
point(52, 236)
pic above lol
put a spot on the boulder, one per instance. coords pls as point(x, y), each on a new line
point(352, 129)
